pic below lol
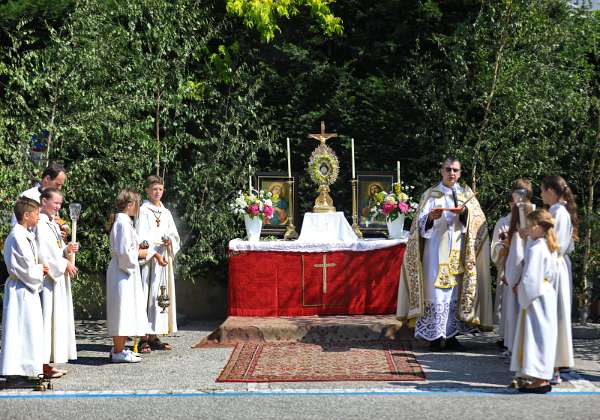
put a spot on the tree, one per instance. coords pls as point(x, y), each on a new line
point(263, 15)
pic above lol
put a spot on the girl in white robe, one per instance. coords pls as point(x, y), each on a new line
point(125, 300)
point(22, 351)
point(57, 301)
point(534, 349)
point(155, 226)
point(557, 194)
point(522, 192)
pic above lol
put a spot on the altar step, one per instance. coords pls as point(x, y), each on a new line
point(306, 329)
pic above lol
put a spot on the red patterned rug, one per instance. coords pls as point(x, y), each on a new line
point(306, 362)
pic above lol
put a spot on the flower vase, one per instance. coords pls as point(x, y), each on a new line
point(253, 227)
point(395, 227)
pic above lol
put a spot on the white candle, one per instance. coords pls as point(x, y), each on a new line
point(398, 171)
point(353, 164)
point(289, 159)
point(250, 179)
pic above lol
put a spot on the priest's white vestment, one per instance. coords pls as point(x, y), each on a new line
point(153, 224)
point(534, 349)
point(22, 322)
point(564, 234)
point(125, 300)
point(445, 280)
point(498, 253)
point(57, 301)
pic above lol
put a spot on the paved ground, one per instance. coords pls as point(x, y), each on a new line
point(181, 383)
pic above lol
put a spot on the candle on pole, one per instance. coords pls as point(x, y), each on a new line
point(398, 171)
point(353, 164)
point(289, 160)
point(250, 179)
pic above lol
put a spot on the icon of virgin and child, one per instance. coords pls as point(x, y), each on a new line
point(279, 197)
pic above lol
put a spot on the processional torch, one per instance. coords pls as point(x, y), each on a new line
point(74, 212)
point(521, 203)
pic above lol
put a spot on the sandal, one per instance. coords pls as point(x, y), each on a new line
point(144, 347)
point(156, 344)
point(52, 373)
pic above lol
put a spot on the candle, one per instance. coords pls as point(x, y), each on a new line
point(398, 172)
point(289, 159)
point(250, 178)
point(353, 164)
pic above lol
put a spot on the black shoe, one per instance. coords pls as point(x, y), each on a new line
point(437, 345)
point(454, 344)
point(537, 390)
point(500, 343)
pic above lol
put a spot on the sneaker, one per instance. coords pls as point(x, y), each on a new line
point(124, 357)
point(131, 352)
point(556, 379)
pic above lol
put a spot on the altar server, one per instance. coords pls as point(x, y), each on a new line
point(522, 193)
point(155, 226)
point(498, 253)
point(57, 301)
point(125, 300)
point(558, 196)
point(22, 351)
point(534, 349)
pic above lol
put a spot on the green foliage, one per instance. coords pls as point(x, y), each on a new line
point(263, 15)
point(126, 89)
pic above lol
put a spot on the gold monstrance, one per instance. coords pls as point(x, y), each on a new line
point(323, 167)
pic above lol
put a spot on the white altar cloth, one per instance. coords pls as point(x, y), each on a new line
point(326, 228)
point(238, 245)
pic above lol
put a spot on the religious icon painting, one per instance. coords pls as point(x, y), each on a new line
point(284, 201)
point(369, 184)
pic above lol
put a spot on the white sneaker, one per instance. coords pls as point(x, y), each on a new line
point(124, 357)
point(132, 352)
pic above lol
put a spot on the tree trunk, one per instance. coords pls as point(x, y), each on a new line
point(157, 131)
point(490, 96)
point(585, 300)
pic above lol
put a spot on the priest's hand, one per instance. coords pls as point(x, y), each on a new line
point(73, 247)
point(71, 269)
point(435, 214)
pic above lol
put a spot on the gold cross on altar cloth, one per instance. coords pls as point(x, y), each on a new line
point(324, 266)
point(322, 136)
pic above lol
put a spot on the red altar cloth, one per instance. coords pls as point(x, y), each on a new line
point(268, 283)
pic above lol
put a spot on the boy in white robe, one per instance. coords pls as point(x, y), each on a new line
point(57, 301)
point(558, 196)
point(22, 351)
point(155, 226)
point(534, 349)
point(125, 300)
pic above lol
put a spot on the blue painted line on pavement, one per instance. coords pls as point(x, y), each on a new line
point(292, 393)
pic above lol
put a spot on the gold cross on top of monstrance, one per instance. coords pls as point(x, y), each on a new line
point(322, 136)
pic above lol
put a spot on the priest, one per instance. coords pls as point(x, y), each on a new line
point(445, 285)
point(54, 176)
